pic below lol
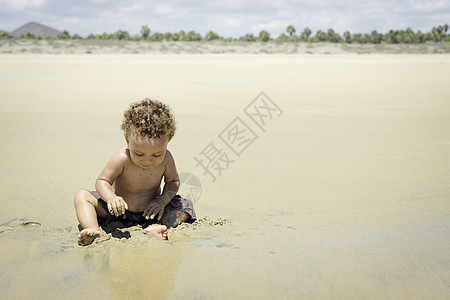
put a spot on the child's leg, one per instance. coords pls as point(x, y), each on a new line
point(87, 209)
point(173, 218)
point(177, 211)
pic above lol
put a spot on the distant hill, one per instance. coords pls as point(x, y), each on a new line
point(37, 30)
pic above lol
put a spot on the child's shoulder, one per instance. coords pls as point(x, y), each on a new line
point(123, 155)
point(168, 155)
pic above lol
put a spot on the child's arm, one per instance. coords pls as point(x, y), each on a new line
point(171, 179)
point(104, 182)
point(171, 187)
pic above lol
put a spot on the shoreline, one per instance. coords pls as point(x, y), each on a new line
point(88, 47)
point(242, 58)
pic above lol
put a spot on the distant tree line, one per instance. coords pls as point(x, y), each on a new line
point(408, 36)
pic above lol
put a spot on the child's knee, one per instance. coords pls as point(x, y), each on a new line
point(173, 218)
point(81, 196)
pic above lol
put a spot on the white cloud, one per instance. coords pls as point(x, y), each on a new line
point(428, 6)
point(23, 4)
point(132, 7)
point(162, 9)
point(272, 26)
point(232, 22)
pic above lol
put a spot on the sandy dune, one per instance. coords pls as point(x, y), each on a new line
point(49, 46)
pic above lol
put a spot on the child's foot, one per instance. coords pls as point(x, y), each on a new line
point(157, 230)
point(87, 236)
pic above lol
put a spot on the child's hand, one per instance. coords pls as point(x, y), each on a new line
point(117, 206)
point(154, 208)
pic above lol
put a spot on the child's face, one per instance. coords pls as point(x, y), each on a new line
point(145, 152)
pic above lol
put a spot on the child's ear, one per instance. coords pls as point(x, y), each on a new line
point(126, 138)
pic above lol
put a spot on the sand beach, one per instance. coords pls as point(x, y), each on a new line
point(339, 187)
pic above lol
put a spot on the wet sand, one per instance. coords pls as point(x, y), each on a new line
point(344, 194)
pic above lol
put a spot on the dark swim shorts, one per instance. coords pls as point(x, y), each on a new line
point(135, 217)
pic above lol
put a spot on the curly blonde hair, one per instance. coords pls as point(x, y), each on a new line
point(149, 118)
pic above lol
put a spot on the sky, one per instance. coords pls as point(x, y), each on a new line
point(233, 18)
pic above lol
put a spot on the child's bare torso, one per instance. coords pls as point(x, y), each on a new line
point(138, 186)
